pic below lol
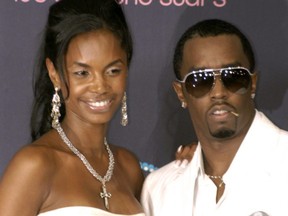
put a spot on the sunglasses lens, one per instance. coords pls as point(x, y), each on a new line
point(236, 80)
point(199, 84)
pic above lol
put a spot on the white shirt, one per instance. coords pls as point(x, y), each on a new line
point(256, 182)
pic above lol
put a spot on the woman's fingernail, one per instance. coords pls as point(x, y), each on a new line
point(177, 163)
point(184, 163)
point(179, 148)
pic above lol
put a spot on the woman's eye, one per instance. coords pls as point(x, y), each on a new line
point(113, 71)
point(81, 73)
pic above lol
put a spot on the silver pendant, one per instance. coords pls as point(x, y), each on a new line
point(105, 195)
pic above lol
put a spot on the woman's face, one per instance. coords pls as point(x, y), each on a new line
point(96, 71)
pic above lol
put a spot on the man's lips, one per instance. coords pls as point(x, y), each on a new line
point(222, 111)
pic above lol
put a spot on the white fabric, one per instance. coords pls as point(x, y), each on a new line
point(256, 182)
point(82, 211)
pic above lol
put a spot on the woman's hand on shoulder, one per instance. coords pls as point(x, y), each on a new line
point(184, 154)
point(25, 182)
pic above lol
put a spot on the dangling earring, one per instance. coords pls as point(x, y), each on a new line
point(124, 114)
point(55, 112)
point(183, 105)
point(253, 95)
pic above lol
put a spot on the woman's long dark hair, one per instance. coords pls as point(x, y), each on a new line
point(67, 19)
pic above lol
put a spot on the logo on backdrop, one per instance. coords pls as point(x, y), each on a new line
point(35, 1)
point(165, 3)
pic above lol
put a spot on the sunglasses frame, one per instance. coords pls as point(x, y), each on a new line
point(216, 72)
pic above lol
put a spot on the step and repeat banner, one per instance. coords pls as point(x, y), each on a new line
point(158, 124)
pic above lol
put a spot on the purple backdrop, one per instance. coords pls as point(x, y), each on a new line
point(158, 125)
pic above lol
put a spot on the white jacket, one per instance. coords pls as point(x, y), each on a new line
point(256, 182)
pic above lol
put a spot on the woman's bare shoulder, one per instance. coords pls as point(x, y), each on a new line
point(129, 164)
point(37, 159)
point(125, 156)
point(29, 174)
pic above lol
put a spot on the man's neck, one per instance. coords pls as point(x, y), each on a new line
point(218, 155)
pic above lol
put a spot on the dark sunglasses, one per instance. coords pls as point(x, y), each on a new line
point(200, 82)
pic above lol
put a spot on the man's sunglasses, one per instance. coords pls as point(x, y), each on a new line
point(200, 82)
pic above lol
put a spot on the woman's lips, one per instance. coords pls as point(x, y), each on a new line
point(99, 105)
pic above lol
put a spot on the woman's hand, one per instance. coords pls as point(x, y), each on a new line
point(185, 154)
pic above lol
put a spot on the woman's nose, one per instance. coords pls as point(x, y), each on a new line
point(98, 84)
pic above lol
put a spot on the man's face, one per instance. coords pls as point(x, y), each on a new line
point(212, 113)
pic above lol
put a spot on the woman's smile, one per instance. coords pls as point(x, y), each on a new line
point(99, 105)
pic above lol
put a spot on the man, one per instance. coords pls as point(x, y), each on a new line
point(240, 164)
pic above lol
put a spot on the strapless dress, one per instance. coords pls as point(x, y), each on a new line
point(82, 211)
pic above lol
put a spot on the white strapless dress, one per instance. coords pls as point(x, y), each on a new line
point(82, 211)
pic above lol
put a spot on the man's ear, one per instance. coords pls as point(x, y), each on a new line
point(53, 74)
point(179, 91)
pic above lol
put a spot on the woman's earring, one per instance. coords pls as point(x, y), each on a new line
point(183, 105)
point(124, 114)
point(253, 95)
point(55, 112)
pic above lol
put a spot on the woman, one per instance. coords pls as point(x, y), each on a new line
point(70, 169)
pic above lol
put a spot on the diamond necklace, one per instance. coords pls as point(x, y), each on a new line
point(103, 194)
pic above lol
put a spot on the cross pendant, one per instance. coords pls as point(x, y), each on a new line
point(105, 195)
